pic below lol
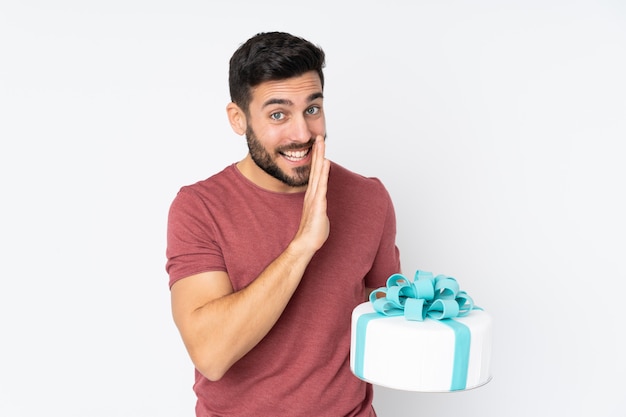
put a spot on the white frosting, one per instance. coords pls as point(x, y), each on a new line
point(419, 355)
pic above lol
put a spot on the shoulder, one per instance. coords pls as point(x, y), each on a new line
point(216, 182)
point(204, 198)
point(207, 189)
point(344, 180)
point(356, 193)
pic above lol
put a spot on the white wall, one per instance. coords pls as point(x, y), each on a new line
point(497, 127)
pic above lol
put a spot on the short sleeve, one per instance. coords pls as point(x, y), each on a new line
point(191, 244)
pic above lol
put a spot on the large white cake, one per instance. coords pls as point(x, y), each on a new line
point(408, 340)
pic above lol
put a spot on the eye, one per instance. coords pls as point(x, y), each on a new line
point(313, 110)
point(277, 116)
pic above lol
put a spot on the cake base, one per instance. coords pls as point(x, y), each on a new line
point(424, 356)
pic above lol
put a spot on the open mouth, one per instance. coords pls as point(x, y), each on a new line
point(296, 156)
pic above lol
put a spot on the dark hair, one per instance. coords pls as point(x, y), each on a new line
point(270, 56)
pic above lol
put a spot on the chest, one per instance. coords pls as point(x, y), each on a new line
point(252, 237)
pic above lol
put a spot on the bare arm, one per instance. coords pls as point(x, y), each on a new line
point(218, 325)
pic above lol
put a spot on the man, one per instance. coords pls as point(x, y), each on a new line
point(268, 258)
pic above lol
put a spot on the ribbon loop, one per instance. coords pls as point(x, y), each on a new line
point(414, 309)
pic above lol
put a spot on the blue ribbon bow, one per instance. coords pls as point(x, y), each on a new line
point(436, 297)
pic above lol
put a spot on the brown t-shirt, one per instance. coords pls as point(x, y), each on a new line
point(301, 368)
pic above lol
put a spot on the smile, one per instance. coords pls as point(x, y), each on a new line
point(296, 156)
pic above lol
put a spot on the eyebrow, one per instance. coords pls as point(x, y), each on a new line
point(287, 102)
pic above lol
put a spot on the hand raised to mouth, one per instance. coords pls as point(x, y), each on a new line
point(314, 224)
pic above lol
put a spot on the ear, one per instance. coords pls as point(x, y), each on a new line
point(237, 118)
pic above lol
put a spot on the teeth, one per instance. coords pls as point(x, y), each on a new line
point(295, 155)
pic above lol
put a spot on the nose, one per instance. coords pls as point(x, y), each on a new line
point(301, 129)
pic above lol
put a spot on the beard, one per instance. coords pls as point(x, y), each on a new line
point(264, 160)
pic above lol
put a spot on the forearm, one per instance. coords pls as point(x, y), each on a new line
point(220, 332)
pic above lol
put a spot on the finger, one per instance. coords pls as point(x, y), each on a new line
point(317, 163)
point(322, 162)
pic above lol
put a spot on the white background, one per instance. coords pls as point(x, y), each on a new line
point(498, 128)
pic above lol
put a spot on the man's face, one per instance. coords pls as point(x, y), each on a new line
point(284, 118)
